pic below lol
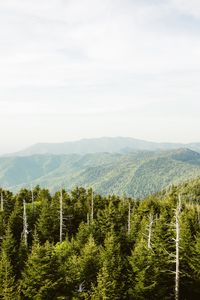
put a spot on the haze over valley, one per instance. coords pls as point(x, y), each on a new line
point(118, 165)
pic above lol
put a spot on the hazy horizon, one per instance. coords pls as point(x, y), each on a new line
point(86, 68)
point(90, 138)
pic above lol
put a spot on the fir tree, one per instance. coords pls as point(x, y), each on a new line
point(7, 278)
point(109, 280)
point(40, 278)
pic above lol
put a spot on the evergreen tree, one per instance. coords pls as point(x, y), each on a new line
point(69, 268)
point(142, 273)
point(40, 278)
point(48, 222)
point(7, 279)
point(194, 263)
point(126, 252)
point(109, 281)
point(9, 249)
point(7, 261)
point(89, 264)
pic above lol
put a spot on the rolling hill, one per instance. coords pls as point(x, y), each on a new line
point(138, 173)
point(104, 144)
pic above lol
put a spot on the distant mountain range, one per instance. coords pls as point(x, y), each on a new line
point(135, 173)
point(104, 144)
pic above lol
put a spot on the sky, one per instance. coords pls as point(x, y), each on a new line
point(72, 69)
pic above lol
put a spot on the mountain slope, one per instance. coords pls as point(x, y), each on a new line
point(104, 144)
point(137, 174)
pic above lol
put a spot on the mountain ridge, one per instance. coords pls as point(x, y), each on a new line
point(103, 144)
point(137, 174)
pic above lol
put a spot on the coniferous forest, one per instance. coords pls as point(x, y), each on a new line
point(81, 245)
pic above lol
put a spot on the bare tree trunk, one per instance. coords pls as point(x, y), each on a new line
point(25, 225)
point(198, 215)
point(32, 197)
point(2, 201)
point(129, 218)
point(150, 231)
point(61, 216)
point(92, 207)
point(177, 279)
point(88, 219)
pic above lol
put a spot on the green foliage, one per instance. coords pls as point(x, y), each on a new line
point(136, 174)
point(7, 279)
point(40, 279)
point(100, 258)
point(109, 284)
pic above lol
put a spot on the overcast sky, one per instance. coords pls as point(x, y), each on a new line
point(72, 69)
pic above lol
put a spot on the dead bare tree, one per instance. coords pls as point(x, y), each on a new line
point(198, 215)
point(92, 207)
point(25, 224)
point(61, 216)
point(177, 241)
point(32, 197)
point(81, 287)
point(2, 202)
point(88, 219)
point(150, 230)
point(129, 218)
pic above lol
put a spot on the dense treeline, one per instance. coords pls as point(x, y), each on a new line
point(80, 245)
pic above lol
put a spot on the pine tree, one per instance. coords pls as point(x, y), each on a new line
point(187, 252)
point(40, 278)
point(7, 204)
point(89, 264)
point(48, 222)
point(7, 261)
point(7, 279)
point(194, 264)
point(109, 281)
point(69, 267)
point(142, 274)
point(9, 247)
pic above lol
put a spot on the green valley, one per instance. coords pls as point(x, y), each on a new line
point(137, 173)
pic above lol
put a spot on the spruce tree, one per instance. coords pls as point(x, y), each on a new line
point(109, 281)
point(7, 278)
point(89, 264)
point(40, 278)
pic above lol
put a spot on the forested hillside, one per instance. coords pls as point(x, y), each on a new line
point(135, 174)
point(81, 245)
